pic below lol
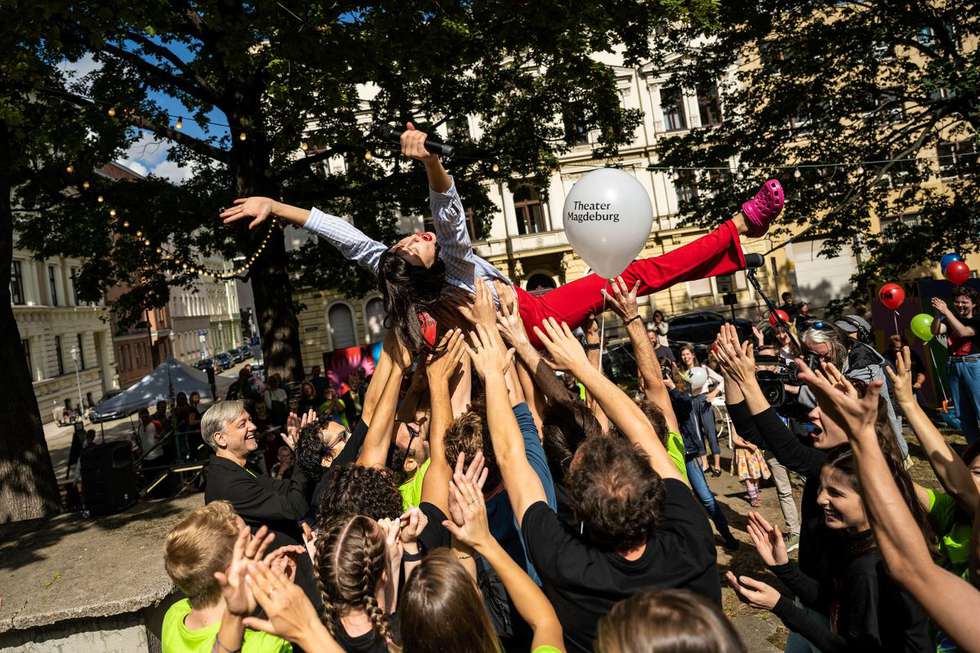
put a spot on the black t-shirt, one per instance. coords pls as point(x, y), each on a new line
point(346, 456)
point(584, 582)
point(969, 344)
point(369, 642)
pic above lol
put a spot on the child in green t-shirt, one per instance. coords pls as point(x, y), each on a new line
point(206, 555)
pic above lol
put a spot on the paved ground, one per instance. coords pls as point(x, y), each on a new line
point(59, 437)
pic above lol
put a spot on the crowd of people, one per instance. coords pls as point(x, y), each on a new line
point(489, 488)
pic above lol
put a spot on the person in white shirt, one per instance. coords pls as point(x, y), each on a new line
point(706, 384)
point(149, 436)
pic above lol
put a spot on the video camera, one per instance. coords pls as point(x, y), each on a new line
point(773, 382)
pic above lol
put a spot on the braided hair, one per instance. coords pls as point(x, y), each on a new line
point(350, 562)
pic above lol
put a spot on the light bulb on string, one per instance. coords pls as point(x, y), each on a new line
point(139, 234)
point(304, 146)
point(86, 185)
point(242, 136)
point(180, 123)
point(112, 112)
point(495, 167)
point(100, 199)
point(368, 156)
point(860, 170)
point(112, 213)
point(797, 174)
point(125, 224)
point(146, 242)
point(159, 250)
point(70, 168)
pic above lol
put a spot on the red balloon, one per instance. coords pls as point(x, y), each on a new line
point(891, 296)
point(783, 315)
point(957, 272)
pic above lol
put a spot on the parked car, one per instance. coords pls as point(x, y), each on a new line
point(224, 360)
point(236, 355)
point(246, 352)
point(700, 328)
point(204, 364)
point(96, 417)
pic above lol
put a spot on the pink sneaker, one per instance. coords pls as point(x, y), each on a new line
point(762, 209)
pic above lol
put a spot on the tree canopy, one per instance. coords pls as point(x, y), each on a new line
point(889, 89)
point(288, 85)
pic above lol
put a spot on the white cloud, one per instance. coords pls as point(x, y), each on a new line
point(80, 68)
point(147, 155)
point(175, 173)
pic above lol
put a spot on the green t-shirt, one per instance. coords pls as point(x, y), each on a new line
point(953, 529)
point(411, 490)
point(546, 648)
point(675, 449)
point(178, 638)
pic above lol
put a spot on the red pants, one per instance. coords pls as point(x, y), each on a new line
point(719, 252)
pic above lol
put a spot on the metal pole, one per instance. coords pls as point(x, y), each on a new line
point(78, 381)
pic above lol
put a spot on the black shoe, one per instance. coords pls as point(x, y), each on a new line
point(715, 472)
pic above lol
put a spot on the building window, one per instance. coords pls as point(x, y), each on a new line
point(53, 284)
point(74, 286)
point(341, 324)
point(699, 288)
point(60, 355)
point(686, 187)
point(799, 122)
point(672, 105)
point(576, 130)
point(709, 104)
point(26, 344)
point(374, 318)
point(529, 210)
point(16, 283)
point(81, 353)
point(959, 158)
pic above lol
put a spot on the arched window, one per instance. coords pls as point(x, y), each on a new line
point(540, 281)
point(341, 324)
point(529, 209)
point(374, 318)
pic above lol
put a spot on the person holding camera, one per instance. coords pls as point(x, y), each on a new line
point(961, 326)
point(846, 344)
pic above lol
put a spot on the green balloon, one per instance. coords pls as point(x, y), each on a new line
point(922, 327)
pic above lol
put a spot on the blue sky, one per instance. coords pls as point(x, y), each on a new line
point(148, 155)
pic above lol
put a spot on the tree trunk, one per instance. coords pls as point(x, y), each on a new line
point(275, 313)
point(28, 488)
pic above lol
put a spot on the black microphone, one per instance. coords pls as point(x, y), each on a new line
point(394, 135)
point(753, 261)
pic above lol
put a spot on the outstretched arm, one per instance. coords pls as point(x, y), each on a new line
point(956, 327)
point(623, 302)
point(523, 485)
point(374, 452)
point(568, 354)
point(435, 485)
point(951, 602)
point(469, 525)
point(949, 467)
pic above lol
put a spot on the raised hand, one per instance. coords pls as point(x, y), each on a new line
point(622, 300)
point(469, 523)
point(767, 539)
point(289, 614)
point(393, 544)
point(283, 559)
point(247, 548)
point(509, 321)
point(444, 362)
point(855, 415)
point(486, 353)
point(737, 358)
point(483, 311)
point(754, 592)
point(413, 143)
point(309, 540)
point(257, 208)
point(592, 330)
point(295, 424)
point(413, 522)
point(901, 378)
point(940, 306)
point(565, 349)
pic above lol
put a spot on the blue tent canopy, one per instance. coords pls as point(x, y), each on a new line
point(169, 378)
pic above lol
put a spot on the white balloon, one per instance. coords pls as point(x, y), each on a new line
point(697, 377)
point(608, 217)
